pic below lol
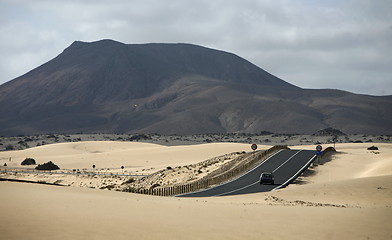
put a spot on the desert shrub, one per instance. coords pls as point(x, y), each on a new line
point(263, 133)
point(372, 148)
point(131, 180)
point(155, 185)
point(109, 187)
point(139, 137)
point(47, 166)
point(28, 161)
point(130, 189)
point(9, 147)
point(329, 132)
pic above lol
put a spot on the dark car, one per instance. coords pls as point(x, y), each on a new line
point(266, 177)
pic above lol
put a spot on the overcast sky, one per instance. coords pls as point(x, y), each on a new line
point(338, 44)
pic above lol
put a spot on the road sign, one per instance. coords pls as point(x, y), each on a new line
point(319, 148)
point(254, 146)
point(319, 153)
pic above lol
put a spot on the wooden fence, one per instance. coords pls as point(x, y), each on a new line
point(250, 160)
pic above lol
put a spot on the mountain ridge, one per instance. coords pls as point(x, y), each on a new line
point(108, 86)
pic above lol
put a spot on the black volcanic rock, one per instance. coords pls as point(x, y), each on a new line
point(47, 166)
point(28, 161)
point(107, 86)
point(329, 132)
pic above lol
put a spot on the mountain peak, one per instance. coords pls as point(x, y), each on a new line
point(77, 45)
point(108, 86)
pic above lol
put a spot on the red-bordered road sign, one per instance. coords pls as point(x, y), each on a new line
point(254, 146)
point(319, 148)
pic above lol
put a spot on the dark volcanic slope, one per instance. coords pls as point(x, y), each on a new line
point(107, 86)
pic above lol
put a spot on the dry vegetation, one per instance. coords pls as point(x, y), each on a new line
point(265, 138)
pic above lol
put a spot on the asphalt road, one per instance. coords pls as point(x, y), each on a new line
point(286, 165)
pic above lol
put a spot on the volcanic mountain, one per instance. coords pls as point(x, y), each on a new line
point(107, 86)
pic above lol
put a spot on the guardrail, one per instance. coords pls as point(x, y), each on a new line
point(250, 160)
point(303, 169)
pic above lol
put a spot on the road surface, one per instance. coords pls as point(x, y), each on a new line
point(286, 165)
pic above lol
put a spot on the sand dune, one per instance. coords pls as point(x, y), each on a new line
point(349, 197)
point(132, 155)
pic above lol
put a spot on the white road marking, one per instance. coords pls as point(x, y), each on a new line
point(286, 161)
point(239, 189)
point(233, 179)
point(235, 190)
point(295, 174)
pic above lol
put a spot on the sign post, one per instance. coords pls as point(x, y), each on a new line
point(318, 153)
point(319, 148)
point(253, 147)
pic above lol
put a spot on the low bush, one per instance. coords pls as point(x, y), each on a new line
point(155, 185)
point(372, 148)
point(9, 147)
point(28, 161)
point(131, 180)
point(47, 166)
point(139, 137)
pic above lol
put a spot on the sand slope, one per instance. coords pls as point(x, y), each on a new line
point(349, 197)
point(110, 154)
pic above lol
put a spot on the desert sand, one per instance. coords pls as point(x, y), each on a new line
point(140, 160)
point(347, 197)
point(133, 156)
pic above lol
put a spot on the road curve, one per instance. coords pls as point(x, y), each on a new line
point(286, 165)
